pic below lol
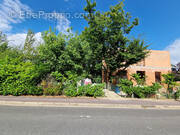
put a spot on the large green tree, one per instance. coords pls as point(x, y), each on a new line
point(50, 52)
point(108, 36)
point(75, 55)
point(63, 53)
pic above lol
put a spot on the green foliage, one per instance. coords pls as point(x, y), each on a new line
point(156, 86)
point(146, 91)
point(63, 53)
point(17, 77)
point(82, 90)
point(126, 82)
point(177, 94)
point(50, 51)
point(53, 84)
point(138, 79)
point(3, 42)
point(91, 90)
point(86, 90)
point(58, 76)
point(35, 91)
point(152, 90)
point(72, 57)
point(108, 36)
point(126, 85)
point(138, 91)
point(169, 79)
point(53, 91)
point(97, 79)
point(70, 91)
point(96, 91)
point(71, 84)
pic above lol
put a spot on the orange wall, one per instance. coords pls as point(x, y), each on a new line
point(157, 61)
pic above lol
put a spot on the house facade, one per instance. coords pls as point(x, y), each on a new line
point(153, 66)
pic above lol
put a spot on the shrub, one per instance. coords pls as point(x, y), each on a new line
point(53, 91)
point(23, 89)
point(126, 86)
point(138, 91)
point(36, 91)
point(146, 91)
point(17, 77)
point(82, 90)
point(155, 87)
point(70, 84)
point(177, 94)
point(53, 84)
point(91, 90)
point(97, 79)
point(139, 79)
point(70, 91)
point(98, 88)
point(169, 80)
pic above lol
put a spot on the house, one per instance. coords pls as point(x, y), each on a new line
point(153, 66)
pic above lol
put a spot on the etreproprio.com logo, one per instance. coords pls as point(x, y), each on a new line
point(45, 15)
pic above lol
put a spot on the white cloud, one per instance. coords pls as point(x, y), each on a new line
point(10, 11)
point(63, 24)
point(19, 39)
point(38, 38)
point(174, 50)
point(16, 39)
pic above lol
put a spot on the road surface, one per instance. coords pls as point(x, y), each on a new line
point(87, 121)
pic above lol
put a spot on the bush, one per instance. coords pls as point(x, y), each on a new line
point(23, 89)
point(70, 84)
point(98, 90)
point(70, 91)
point(177, 94)
point(51, 87)
point(53, 91)
point(17, 76)
point(91, 90)
point(126, 86)
point(82, 90)
point(35, 91)
point(138, 91)
point(169, 80)
point(140, 80)
point(146, 91)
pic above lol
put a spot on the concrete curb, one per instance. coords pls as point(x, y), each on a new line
point(86, 105)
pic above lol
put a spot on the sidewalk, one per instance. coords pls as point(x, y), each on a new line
point(89, 102)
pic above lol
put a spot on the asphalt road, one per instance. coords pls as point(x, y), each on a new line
point(87, 121)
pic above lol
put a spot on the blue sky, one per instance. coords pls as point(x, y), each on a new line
point(159, 19)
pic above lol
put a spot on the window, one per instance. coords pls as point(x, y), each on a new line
point(158, 76)
point(142, 74)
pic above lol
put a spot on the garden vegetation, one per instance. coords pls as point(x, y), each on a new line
point(55, 66)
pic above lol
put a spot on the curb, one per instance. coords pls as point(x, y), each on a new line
point(86, 105)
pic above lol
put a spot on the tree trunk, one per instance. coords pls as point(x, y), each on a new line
point(108, 84)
